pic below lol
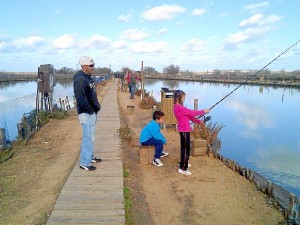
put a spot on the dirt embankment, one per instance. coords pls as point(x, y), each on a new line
point(213, 194)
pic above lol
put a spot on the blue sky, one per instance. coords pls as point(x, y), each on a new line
point(192, 34)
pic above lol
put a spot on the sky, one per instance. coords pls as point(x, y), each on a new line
point(196, 35)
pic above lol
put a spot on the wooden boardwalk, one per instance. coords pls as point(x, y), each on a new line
point(96, 197)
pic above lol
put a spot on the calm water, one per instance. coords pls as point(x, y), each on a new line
point(262, 124)
point(19, 98)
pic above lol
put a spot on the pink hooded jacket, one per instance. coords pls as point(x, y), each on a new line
point(184, 115)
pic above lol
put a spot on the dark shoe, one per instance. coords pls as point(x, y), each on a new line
point(89, 168)
point(96, 160)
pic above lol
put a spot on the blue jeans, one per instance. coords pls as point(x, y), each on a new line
point(159, 145)
point(88, 123)
point(132, 90)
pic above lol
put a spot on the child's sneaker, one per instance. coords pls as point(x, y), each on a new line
point(157, 162)
point(164, 154)
point(189, 165)
point(185, 172)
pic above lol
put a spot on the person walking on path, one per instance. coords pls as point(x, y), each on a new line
point(128, 73)
point(133, 81)
point(151, 135)
point(87, 107)
point(184, 116)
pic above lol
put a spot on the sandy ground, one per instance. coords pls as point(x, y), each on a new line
point(213, 194)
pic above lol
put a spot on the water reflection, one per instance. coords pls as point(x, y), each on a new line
point(19, 98)
point(251, 116)
point(262, 125)
point(279, 163)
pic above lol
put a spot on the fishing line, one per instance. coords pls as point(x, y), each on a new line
point(254, 75)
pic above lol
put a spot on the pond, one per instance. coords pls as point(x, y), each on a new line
point(262, 125)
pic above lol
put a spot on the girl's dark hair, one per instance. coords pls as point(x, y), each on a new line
point(178, 97)
point(157, 115)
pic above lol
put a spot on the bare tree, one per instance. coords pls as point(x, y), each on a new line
point(171, 69)
point(150, 70)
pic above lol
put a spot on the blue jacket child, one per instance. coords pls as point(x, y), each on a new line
point(151, 136)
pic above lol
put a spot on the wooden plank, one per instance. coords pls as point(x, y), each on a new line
point(96, 197)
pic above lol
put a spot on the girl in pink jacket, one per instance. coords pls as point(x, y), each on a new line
point(184, 116)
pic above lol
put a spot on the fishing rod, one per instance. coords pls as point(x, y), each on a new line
point(254, 75)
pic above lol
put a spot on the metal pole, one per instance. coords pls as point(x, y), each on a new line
point(254, 74)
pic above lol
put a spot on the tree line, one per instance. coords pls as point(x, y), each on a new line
point(174, 70)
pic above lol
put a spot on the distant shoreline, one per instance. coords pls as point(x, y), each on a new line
point(31, 76)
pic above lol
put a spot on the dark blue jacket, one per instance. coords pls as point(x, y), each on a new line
point(85, 94)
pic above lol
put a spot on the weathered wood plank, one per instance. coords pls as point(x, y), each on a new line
point(96, 197)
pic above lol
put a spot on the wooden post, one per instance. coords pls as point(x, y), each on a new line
point(198, 147)
point(67, 103)
point(146, 154)
point(292, 208)
point(2, 138)
point(195, 108)
point(269, 188)
point(142, 80)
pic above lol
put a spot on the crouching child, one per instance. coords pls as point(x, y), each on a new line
point(151, 136)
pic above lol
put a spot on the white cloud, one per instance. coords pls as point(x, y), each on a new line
point(32, 43)
point(271, 19)
point(125, 18)
point(198, 12)
point(256, 7)
point(162, 31)
point(120, 44)
point(35, 40)
point(193, 45)
point(163, 13)
point(147, 47)
point(252, 20)
point(134, 34)
point(256, 26)
point(260, 20)
point(64, 42)
point(97, 42)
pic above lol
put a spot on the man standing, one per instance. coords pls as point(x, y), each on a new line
point(87, 107)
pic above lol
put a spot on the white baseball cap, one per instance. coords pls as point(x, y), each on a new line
point(86, 60)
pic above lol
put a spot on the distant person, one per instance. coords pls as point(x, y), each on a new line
point(184, 116)
point(151, 136)
point(133, 80)
point(87, 107)
point(122, 78)
point(128, 80)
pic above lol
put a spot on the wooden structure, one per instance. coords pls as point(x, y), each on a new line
point(198, 147)
point(167, 106)
point(96, 197)
point(146, 154)
point(2, 138)
point(45, 87)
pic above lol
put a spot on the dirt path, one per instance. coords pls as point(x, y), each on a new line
point(31, 180)
point(213, 194)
